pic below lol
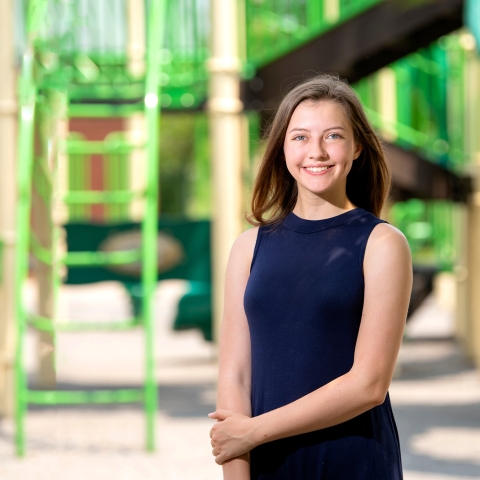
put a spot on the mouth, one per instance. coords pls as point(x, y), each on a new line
point(318, 170)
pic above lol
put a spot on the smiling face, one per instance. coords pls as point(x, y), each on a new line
point(319, 149)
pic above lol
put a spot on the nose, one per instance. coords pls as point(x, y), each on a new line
point(317, 150)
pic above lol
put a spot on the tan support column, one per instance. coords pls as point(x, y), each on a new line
point(48, 216)
point(462, 306)
point(135, 124)
point(469, 326)
point(8, 135)
point(136, 47)
point(473, 328)
point(229, 140)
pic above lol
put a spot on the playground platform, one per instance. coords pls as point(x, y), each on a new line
point(436, 398)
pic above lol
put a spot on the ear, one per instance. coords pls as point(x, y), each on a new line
point(358, 151)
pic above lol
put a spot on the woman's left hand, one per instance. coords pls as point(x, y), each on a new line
point(231, 435)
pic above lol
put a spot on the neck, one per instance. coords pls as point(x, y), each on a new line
point(319, 209)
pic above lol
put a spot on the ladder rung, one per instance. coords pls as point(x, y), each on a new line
point(86, 259)
point(104, 109)
point(88, 197)
point(98, 259)
point(56, 397)
point(92, 147)
point(47, 325)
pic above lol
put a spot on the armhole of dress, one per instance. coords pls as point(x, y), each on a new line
point(257, 245)
point(363, 246)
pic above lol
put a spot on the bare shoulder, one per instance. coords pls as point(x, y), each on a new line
point(243, 247)
point(387, 244)
point(248, 238)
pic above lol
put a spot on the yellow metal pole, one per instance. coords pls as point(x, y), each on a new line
point(8, 116)
point(228, 138)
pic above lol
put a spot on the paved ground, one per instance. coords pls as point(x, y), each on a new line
point(436, 398)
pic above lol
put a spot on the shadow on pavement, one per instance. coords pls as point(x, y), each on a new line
point(194, 400)
point(433, 359)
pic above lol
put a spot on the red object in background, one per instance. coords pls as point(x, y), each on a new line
point(96, 129)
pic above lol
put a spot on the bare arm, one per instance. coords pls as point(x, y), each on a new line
point(234, 380)
point(388, 278)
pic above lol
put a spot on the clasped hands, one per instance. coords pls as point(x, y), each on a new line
point(231, 436)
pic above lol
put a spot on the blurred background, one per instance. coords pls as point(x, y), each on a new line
point(130, 134)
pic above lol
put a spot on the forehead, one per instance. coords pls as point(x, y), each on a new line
point(319, 114)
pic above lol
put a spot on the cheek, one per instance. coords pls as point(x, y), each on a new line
point(292, 154)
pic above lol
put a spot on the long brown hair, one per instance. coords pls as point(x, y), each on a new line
point(275, 190)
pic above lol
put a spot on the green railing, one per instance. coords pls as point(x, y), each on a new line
point(421, 101)
point(276, 27)
point(85, 49)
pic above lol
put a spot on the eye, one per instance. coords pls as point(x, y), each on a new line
point(300, 137)
point(334, 135)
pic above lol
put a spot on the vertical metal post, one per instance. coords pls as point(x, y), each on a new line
point(135, 125)
point(229, 140)
point(472, 145)
point(473, 329)
point(150, 222)
point(136, 37)
point(49, 215)
point(8, 124)
point(388, 102)
point(24, 175)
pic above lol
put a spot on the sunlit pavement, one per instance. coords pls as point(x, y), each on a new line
point(436, 399)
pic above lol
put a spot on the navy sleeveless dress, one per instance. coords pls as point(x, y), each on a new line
point(303, 302)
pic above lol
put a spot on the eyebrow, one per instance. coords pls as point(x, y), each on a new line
point(307, 130)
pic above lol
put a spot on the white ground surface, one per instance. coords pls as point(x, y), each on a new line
point(436, 398)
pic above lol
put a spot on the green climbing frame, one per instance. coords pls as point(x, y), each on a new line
point(48, 88)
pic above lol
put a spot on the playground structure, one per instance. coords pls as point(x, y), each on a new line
point(424, 100)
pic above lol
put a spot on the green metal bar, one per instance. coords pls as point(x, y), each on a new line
point(56, 397)
point(46, 325)
point(39, 251)
point(82, 197)
point(103, 110)
point(98, 259)
point(92, 147)
point(155, 31)
point(28, 94)
point(85, 259)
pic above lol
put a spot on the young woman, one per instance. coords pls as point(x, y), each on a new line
point(315, 304)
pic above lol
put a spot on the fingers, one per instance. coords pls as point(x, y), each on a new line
point(221, 414)
point(218, 458)
point(213, 445)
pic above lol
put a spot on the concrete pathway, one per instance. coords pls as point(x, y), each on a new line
point(436, 398)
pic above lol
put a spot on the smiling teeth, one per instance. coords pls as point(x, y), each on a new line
point(316, 169)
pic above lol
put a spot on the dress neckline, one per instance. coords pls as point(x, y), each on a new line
point(302, 225)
